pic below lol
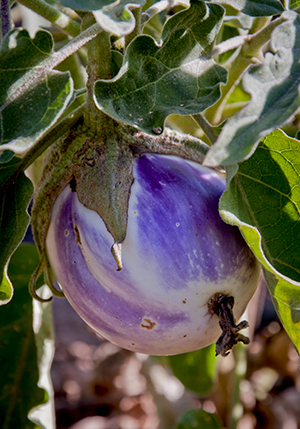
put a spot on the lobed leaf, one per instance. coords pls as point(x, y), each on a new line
point(198, 419)
point(29, 105)
point(175, 77)
point(255, 7)
point(263, 199)
point(196, 370)
point(117, 18)
point(19, 373)
point(274, 91)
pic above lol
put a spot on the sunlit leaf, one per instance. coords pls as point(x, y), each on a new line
point(286, 298)
point(274, 97)
point(263, 199)
point(6, 289)
point(175, 77)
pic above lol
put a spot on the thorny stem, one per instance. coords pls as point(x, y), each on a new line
point(5, 17)
point(53, 15)
point(244, 59)
point(222, 306)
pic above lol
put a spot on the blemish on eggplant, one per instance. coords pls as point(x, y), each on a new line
point(78, 240)
point(150, 324)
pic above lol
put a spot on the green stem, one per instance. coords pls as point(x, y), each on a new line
point(61, 20)
point(5, 17)
point(98, 67)
point(137, 13)
point(239, 373)
point(250, 49)
point(206, 127)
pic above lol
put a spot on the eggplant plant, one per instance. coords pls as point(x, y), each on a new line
point(159, 144)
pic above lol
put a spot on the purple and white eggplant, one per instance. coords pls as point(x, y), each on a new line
point(176, 255)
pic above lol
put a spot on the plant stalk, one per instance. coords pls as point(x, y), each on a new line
point(5, 18)
point(206, 127)
point(239, 373)
point(61, 20)
point(98, 67)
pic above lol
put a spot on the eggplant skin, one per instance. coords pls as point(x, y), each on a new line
point(176, 255)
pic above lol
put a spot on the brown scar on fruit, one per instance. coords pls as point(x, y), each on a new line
point(78, 241)
point(150, 324)
point(222, 305)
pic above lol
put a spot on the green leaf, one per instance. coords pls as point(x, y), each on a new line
point(113, 16)
point(275, 98)
point(19, 373)
point(196, 370)
point(6, 289)
point(198, 419)
point(29, 105)
point(263, 200)
point(286, 299)
point(176, 77)
point(117, 17)
point(14, 220)
point(255, 7)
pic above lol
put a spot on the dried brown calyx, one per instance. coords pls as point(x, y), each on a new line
point(222, 305)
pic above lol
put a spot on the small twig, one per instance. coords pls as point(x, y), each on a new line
point(5, 17)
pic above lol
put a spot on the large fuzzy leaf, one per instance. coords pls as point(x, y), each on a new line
point(263, 199)
point(175, 77)
point(255, 7)
point(274, 97)
point(20, 356)
point(28, 107)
